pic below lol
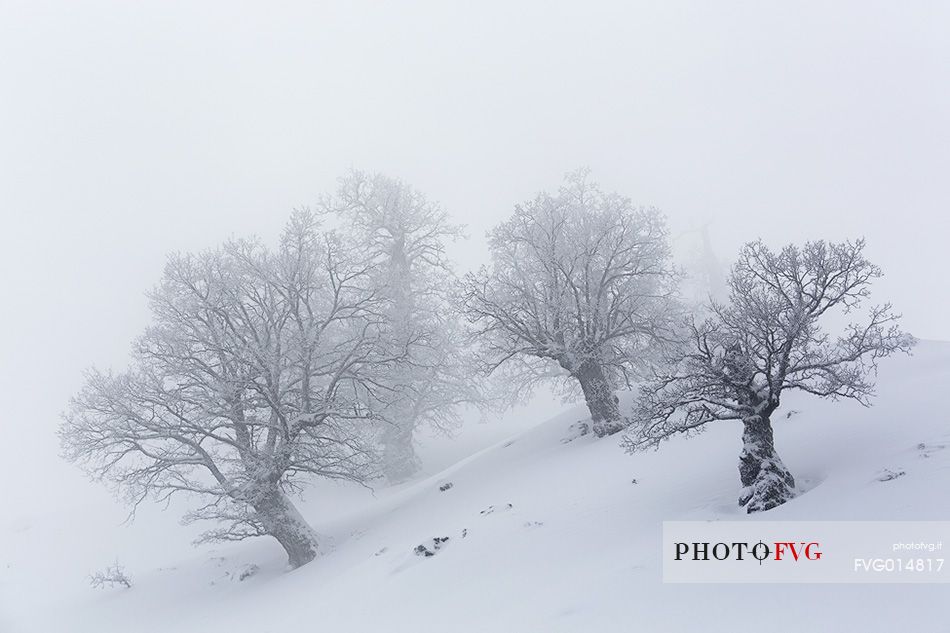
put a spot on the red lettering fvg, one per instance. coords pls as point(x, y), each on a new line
point(798, 549)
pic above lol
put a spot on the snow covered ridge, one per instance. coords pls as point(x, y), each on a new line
point(579, 548)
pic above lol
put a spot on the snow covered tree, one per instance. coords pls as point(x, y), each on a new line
point(258, 369)
point(404, 235)
point(580, 282)
point(769, 338)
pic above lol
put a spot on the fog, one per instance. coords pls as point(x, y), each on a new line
point(131, 130)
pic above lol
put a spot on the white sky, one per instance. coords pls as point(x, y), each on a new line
point(131, 129)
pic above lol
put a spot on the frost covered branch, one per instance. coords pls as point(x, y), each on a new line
point(737, 363)
point(260, 366)
point(580, 283)
point(404, 236)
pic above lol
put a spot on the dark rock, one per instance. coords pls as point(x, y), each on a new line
point(888, 475)
point(432, 547)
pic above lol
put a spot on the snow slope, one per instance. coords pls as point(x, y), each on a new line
point(578, 549)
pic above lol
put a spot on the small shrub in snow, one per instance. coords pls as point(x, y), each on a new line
point(112, 576)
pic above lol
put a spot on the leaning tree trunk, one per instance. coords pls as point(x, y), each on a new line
point(280, 518)
point(601, 401)
point(766, 482)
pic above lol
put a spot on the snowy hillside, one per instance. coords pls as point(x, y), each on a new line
point(543, 535)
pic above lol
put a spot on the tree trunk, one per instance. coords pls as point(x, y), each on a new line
point(280, 519)
point(399, 457)
point(601, 401)
point(399, 461)
point(766, 483)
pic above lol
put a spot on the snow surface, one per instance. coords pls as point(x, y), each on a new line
point(543, 535)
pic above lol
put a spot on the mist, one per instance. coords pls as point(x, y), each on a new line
point(133, 130)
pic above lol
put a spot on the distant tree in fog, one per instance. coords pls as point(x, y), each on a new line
point(704, 276)
point(404, 236)
point(259, 367)
point(737, 363)
point(580, 282)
